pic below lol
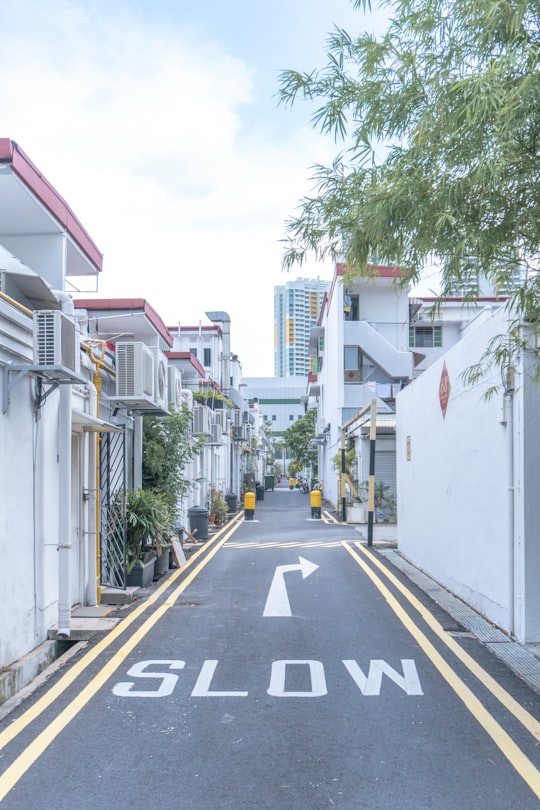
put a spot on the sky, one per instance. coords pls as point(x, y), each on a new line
point(158, 122)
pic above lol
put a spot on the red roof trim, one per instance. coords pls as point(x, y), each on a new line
point(458, 299)
point(131, 305)
point(175, 330)
point(376, 270)
point(23, 167)
point(187, 356)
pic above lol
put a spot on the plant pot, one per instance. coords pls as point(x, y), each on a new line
point(162, 562)
point(142, 574)
point(356, 513)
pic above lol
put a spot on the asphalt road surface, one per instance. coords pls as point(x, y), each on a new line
point(286, 667)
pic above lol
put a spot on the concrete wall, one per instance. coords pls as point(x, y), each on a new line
point(452, 474)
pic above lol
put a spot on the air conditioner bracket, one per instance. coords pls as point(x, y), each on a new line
point(56, 375)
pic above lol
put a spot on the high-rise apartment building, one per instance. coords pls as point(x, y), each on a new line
point(296, 309)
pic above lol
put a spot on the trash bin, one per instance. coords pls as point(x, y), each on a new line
point(259, 489)
point(198, 519)
point(269, 481)
point(232, 502)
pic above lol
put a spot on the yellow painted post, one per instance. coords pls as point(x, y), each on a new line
point(249, 505)
point(315, 503)
point(371, 479)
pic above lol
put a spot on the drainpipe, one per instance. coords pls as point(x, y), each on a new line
point(92, 527)
point(137, 451)
point(64, 495)
point(509, 419)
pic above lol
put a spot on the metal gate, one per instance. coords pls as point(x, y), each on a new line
point(112, 466)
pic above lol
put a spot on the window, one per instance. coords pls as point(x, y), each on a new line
point(350, 307)
point(425, 337)
point(274, 417)
point(193, 351)
point(352, 364)
point(291, 417)
point(207, 357)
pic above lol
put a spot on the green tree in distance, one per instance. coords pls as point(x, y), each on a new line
point(440, 167)
point(297, 438)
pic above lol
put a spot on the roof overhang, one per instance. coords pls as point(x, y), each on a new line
point(124, 319)
point(31, 286)
point(31, 207)
point(86, 423)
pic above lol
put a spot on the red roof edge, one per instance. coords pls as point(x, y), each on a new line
point(187, 356)
point(130, 304)
point(23, 167)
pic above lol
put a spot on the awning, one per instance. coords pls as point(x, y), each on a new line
point(86, 423)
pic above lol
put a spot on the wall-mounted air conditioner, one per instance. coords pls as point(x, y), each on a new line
point(216, 434)
point(161, 382)
point(240, 433)
point(56, 344)
point(221, 418)
point(135, 375)
point(175, 387)
point(187, 396)
point(237, 417)
point(201, 420)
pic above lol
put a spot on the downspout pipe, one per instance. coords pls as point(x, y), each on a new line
point(64, 495)
point(92, 524)
point(509, 418)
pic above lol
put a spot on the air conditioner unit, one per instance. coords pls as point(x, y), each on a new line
point(201, 420)
point(175, 388)
point(238, 433)
point(187, 396)
point(161, 392)
point(56, 344)
point(237, 417)
point(245, 416)
point(216, 434)
point(135, 376)
point(220, 418)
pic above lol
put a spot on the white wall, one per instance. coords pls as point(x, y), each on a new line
point(28, 505)
point(453, 514)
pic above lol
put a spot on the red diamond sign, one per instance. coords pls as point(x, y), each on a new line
point(444, 389)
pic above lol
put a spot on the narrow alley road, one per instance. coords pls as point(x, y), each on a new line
point(286, 667)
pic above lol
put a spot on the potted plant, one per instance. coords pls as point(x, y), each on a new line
point(149, 526)
point(218, 506)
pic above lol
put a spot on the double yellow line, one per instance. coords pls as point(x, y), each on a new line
point(522, 764)
point(16, 770)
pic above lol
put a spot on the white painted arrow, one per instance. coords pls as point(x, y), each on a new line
point(277, 602)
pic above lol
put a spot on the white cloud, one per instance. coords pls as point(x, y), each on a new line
point(140, 128)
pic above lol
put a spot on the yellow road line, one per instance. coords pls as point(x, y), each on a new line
point(66, 680)
point(522, 764)
point(330, 518)
point(308, 544)
point(527, 720)
point(33, 751)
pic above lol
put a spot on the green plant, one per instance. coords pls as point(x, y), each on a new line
point(218, 505)
point(149, 524)
point(384, 499)
point(167, 449)
point(208, 397)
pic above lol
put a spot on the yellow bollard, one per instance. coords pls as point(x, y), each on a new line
point(249, 505)
point(291, 483)
point(315, 503)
